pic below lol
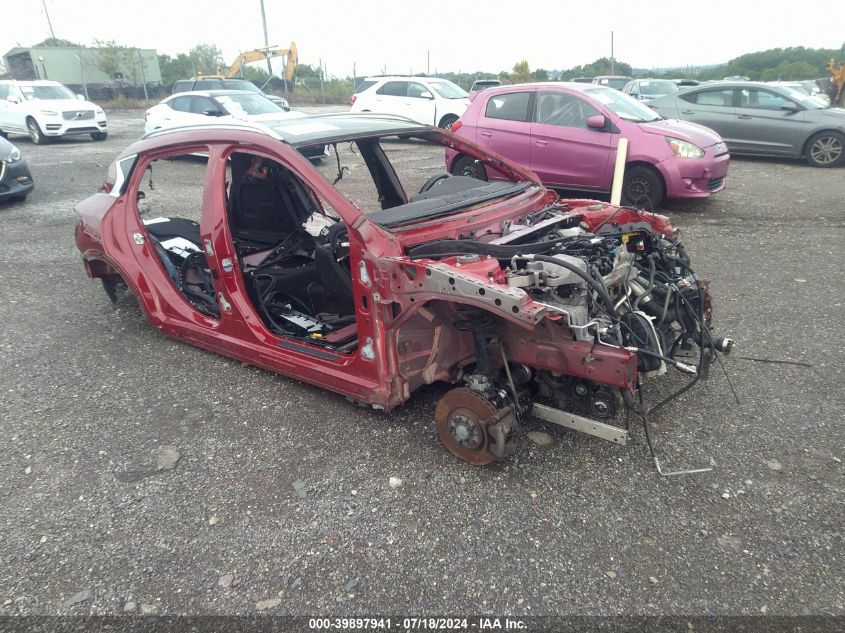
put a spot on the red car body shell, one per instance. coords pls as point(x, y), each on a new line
point(405, 337)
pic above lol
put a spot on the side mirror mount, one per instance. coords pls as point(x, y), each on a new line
point(792, 108)
point(597, 122)
point(211, 112)
point(426, 95)
point(80, 97)
point(13, 98)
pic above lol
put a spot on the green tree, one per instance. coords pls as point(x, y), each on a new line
point(521, 72)
point(110, 58)
point(207, 58)
point(254, 74)
point(306, 71)
point(57, 41)
point(118, 61)
point(541, 74)
point(174, 68)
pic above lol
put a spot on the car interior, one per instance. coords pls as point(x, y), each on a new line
point(293, 254)
point(292, 248)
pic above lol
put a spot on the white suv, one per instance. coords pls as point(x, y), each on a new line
point(47, 109)
point(423, 99)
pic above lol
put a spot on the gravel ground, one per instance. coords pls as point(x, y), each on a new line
point(141, 474)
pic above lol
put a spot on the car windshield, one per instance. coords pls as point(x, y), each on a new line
point(811, 103)
point(657, 87)
point(241, 84)
point(45, 93)
point(248, 104)
point(357, 167)
point(615, 82)
point(448, 90)
point(624, 106)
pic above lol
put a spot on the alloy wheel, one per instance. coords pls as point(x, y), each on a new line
point(826, 150)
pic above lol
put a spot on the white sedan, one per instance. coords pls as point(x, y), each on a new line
point(196, 108)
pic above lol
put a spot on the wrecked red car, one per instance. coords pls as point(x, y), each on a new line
point(529, 304)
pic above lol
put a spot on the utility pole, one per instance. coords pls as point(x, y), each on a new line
point(143, 77)
point(320, 63)
point(611, 54)
point(82, 74)
point(428, 62)
point(267, 45)
point(49, 23)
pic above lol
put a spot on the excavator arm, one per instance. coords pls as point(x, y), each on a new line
point(259, 54)
point(837, 75)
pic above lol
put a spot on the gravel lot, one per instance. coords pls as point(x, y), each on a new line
point(138, 473)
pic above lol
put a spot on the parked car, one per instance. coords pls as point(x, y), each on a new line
point(482, 84)
point(684, 83)
point(567, 134)
point(15, 178)
point(489, 286)
point(648, 89)
point(192, 108)
point(425, 100)
point(614, 81)
point(763, 119)
point(808, 86)
point(46, 110)
point(217, 83)
point(583, 80)
point(202, 106)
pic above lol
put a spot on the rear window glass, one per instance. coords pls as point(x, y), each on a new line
point(183, 86)
point(364, 85)
point(183, 104)
point(723, 97)
point(512, 106)
point(207, 84)
point(394, 89)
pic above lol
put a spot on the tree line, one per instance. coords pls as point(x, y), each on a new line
point(793, 63)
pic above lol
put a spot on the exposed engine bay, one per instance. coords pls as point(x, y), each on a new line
point(613, 283)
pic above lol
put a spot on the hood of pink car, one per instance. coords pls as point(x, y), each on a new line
point(684, 130)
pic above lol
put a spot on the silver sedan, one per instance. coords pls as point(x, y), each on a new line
point(763, 119)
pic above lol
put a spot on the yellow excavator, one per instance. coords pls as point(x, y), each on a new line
point(259, 54)
point(837, 76)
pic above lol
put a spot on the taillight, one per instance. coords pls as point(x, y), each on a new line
point(457, 125)
point(105, 187)
point(352, 100)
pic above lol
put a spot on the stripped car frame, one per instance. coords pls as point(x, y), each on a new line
point(527, 303)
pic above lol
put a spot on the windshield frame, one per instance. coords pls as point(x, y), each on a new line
point(37, 92)
point(659, 83)
point(809, 102)
point(622, 105)
point(455, 92)
point(225, 100)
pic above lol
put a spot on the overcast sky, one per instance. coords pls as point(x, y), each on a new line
point(486, 35)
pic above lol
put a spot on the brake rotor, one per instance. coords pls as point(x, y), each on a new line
point(462, 416)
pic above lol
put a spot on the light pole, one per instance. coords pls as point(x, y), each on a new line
point(611, 54)
point(49, 23)
point(82, 74)
point(43, 67)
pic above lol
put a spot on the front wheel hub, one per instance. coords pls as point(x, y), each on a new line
point(462, 417)
point(465, 432)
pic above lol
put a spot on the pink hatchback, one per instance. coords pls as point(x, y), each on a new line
point(567, 134)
